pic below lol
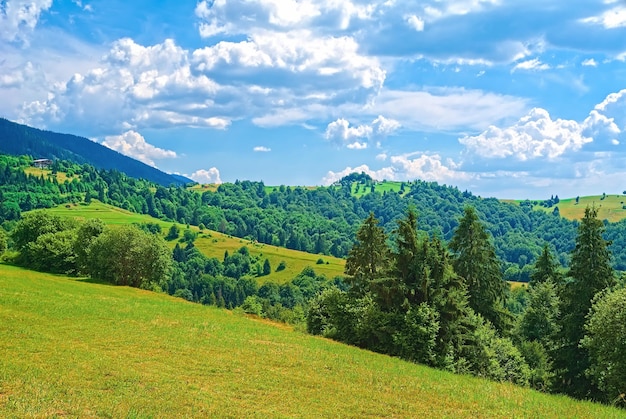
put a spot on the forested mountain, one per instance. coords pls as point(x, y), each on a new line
point(17, 139)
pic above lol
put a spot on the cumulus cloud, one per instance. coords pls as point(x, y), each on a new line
point(328, 59)
point(538, 136)
point(20, 17)
point(410, 166)
point(211, 175)
point(133, 87)
point(341, 132)
point(534, 135)
point(134, 145)
point(262, 149)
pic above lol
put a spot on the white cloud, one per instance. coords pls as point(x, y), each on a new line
point(610, 19)
point(262, 149)
point(335, 60)
point(415, 22)
point(381, 157)
point(446, 109)
point(590, 62)
point(410, 166)
point(530, 65)
point(133, 87)
point(247, 16)
point(533, 136)
point(20, 17)
point(134, 145)
point(211, 175)
point(341, 132)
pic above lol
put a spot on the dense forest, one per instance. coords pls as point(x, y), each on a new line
point(316, 220)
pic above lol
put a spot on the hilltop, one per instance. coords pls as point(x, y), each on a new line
point(80, 349)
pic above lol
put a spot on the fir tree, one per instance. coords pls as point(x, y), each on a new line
point(476, 262)
point(546, 268)
point(590, 272)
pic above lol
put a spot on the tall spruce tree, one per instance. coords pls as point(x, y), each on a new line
point(590, 272)
point(476, 262)
point(546, 268)
point(368, 260)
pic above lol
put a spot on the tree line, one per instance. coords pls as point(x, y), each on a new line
point(412, 296)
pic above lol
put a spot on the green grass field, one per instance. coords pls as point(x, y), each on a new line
point(70, 348)
point(214, 244)
point(610, 208)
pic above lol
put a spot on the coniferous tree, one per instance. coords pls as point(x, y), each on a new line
point(476, 262)
point(546, 268)
point(368, 259)
point(590, 272)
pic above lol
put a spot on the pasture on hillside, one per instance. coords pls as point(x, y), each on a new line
point(74, 348)
point(610, 207)
point(213, 243)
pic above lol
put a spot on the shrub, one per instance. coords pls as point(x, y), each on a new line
point(281, 266)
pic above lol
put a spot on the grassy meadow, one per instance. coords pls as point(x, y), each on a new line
point(610, 208)
point(212, 243)
point(72, 348)
point(47, 173)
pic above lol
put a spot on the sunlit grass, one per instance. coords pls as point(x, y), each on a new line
point(47, 174)
point(69, 348)
point(610, 208)
point(214, 244)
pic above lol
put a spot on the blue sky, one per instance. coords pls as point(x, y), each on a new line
point(513, 99)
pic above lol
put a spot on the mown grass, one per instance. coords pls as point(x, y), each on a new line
point(70, 348)
point(213, 243)
point(610, 208)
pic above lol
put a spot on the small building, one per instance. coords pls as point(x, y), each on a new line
point(42, 163)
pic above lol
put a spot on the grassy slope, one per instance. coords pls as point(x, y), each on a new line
point(609, 208)
point(214, 244)
point(78, 349)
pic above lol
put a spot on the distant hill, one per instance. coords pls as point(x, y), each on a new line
point(17, 139)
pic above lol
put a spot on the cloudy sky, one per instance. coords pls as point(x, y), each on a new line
point(513, 99)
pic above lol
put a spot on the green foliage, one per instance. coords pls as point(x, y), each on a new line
point(3, 241)
point(281, 266)
point(605, 342)
point(51, 252)
point(540, 321)
point(35, 224)
point(590, 272)
point(85, 235)
point(476, 262)
point(267, 267)
point(416, 337)
point(546, 268)
point(173, 233)
point(129, 256)
point(368, 260)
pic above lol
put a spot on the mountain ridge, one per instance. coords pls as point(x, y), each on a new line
point(19, 139)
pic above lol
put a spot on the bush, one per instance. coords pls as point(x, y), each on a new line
point(320, 261)
point(606, 343)
point(281, 266)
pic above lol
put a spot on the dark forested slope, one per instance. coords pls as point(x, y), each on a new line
point(19, 139)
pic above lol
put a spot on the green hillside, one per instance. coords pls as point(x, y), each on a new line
point(71, 348)
point(610, 207)
point(213, 243)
